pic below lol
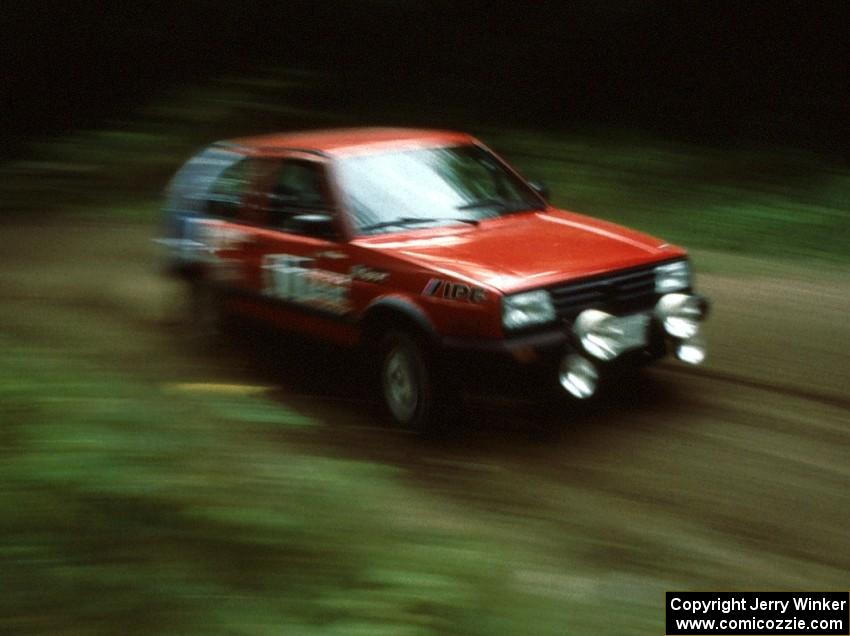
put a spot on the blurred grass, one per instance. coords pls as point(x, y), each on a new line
point(778, 202)
point(125, 507)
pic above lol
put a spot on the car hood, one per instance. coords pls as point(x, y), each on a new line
point(523, 251)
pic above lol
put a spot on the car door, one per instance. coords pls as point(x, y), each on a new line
point(299, 261)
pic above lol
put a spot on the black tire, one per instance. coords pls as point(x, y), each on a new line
point(414, 392)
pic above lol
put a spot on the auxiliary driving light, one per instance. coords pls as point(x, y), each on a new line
point(599, 334)
point(691, 350)
point(578, 376)
point(681, 314)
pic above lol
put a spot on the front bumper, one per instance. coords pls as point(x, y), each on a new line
point(535, 362)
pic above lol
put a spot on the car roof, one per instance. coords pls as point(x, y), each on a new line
point(346, 141)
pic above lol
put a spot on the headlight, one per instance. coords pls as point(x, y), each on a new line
point(599, 334)
point(672, 277)
point(578, 376)
point(526, 309)
point(681, 314)
point(691, 350)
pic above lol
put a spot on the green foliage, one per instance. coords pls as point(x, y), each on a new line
point(776, 203)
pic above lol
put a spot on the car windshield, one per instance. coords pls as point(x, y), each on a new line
point(430, 186)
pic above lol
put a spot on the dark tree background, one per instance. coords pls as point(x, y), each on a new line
point(726, 72)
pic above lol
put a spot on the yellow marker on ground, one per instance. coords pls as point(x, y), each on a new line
point(216, 387)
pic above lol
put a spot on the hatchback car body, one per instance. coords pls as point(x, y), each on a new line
point(430, 252)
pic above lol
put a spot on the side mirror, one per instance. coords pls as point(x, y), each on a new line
point(319, 225)
point(540, 188)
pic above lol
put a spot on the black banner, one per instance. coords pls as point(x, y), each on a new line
point(757, 613)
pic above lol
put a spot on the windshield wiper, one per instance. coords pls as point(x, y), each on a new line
point(504, 206)
point(414, 220)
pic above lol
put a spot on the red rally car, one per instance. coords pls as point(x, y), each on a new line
point(430, 252)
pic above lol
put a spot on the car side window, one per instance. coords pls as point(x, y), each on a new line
point(225, 195)
point(297, 194)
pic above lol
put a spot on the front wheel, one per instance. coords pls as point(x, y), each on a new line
point(412, 393)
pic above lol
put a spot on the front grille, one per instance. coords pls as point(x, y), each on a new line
point(624, 292)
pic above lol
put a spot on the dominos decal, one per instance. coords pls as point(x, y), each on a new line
point(294, 279)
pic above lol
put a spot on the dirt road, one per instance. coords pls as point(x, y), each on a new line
point(732, 476)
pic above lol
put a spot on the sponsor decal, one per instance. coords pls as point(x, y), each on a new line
point(364, 273)
point(293, 278)
point(332, 254)
point(215, 237)
point(454, 291)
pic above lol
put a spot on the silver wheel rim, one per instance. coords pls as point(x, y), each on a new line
point(401, 390)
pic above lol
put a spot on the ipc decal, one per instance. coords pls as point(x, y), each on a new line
point(454, 291)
